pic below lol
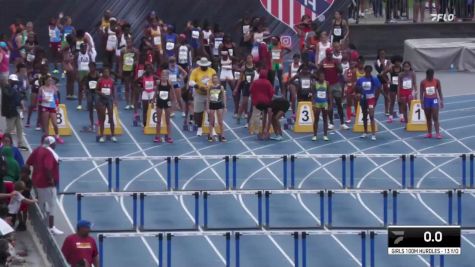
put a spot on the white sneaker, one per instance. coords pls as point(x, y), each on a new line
point(245, 116)
point(373, 137)
point(235, 116)
point(102, 139)
point(55, 231)
point(21, 115)
point(38, 129)
point(364, 136)
point(330, 126)
point(172, 114)
point(114, 139)
point(344, 126)
point(246, 126)
point(79, 107)
point(127, 107)
point(199, 132)
point(183, 114)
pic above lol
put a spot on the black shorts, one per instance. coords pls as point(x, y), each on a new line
point(282, 105)
point(216, 105)
point(105, 101)
point(127, 75)
point(163, 103)
point(393, 88)
point(262, 107)
point(304, 95)
point(245, 90)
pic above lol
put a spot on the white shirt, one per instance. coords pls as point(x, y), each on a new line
point(15, 203)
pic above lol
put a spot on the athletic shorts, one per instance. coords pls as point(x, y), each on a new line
point(226, 75)
point(105, 101)
point(82, 74)
point(49, 110)
point(245, 90)
point(370, 103)
point(393, 88)
point(199, 102)
point(127, 75)
point(147, 95)
point(336, 90)
point(262, 106)
point(47, 199)
point(161, 104)
point(431, 102)
point(405, 93)
point(91, 97)
point(280, 106)
point(216, 105)
point(55, 47)
point(323, 105)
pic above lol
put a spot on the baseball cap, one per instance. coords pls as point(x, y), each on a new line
point(49, 140)
point(84, 224)
point(13, 77)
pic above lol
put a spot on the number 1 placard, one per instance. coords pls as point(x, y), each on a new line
point(417, 118)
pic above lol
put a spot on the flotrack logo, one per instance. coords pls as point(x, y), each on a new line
point(443, 17)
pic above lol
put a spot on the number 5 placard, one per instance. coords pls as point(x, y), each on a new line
point(417, 118)
point(62, 121)
point(305, 118)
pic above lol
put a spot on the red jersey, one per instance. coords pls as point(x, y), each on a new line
point(106, 86)
point(148, 83)
point(76, 248)
point(429, 88)
point(42, 160)
point(331, 71)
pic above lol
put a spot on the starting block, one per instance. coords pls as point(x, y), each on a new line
point(358, 127)
point(417, 118)
point(255, 123)
point(151, 124)
point(64, 127)
point(117, 124)
point(305, 118)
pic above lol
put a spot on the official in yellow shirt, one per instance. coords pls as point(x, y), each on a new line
point(200, 79)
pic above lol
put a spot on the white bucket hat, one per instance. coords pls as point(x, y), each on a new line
point(204, 62)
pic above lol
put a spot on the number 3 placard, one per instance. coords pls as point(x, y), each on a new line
point(62, 121)
point(305, 118)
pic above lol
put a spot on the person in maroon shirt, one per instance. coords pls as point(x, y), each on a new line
point(45, 177)
point(106, 101)
point(332, 69)
point(261, 95)
point(80, 247)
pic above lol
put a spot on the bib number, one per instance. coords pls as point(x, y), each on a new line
point(214, 96)
point(49, 97)
point(148, 85)
point(322, 94)
point(92, 85)
point(337, 31)
point(106, 91)
point(111, 42)
point(157, 40)
point(163, 95)
point(249, 78)
point(276, 55)
point(430, 90)
point(195, 34)
point(237, 75)
point(129, 60)
point(173, 78)
point(52, 34)
point(407, 84)
point(305, 83)
point(169, 46)
point(395, 80)
point(366, 86)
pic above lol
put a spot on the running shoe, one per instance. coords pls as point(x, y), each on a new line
point(132, 107)
point(390, 119)
point(210, 138)
point(246, 126)
point(55, 231)
point(38, 128)
point(114, 139)
point(24, 148)
point(59, 140)
point(364, 136)
point(199, 132)
point(348, 121)
point(438, 136)
point(222, 139)
point(102, 139)
point(331, 126)
point(235, 116)
point(387, 113)
point(183, 114)
point(55, 71)
point(169, 140)
point(277, 138)
point(127, 107)
point(373, 137)
point(157, 139)
point(172, 114)
point(79, 107)
point(344, 127)
point(325, 138)
point(245, 116)
point(429, 135)
point(314, 138)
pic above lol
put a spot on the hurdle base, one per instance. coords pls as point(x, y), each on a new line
point(282, 228)
point(237, 229)
point(347, 228)
point(113, 231)
point(191, 229)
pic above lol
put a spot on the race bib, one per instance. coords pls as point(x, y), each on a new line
point(183, 57)
point(129, 60)
point(366, 85)
point(37, 83)
point(237, 75)
point(337, 31)
point(214, 96)
point(173, 78)
point(276, 54)
point(231, 52)
point(322, 94)
point(305, 83)
point(157, 40)
point(111, 42)
point(148, 85)
point(84, 66)
point(52, 34)
point(48, 96)
point(30, 57)
point(407, 84)
point(195, 34)
point(92, 85)
point(245, 29)
point(249, 78)
point(140, 73)
point(106, 91)
point(163, 95)
point(170, 46)
point(217, 43)
point(395, 80)
point(430, 90)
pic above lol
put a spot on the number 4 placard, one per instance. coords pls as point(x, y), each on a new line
point(305, 118)
point(62, 121)
point(417, 118)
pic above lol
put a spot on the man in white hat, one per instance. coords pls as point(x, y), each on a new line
point(200, 79)
point(11, 105)
point(45, 177)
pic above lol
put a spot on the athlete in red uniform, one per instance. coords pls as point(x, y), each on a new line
point(431, 93)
